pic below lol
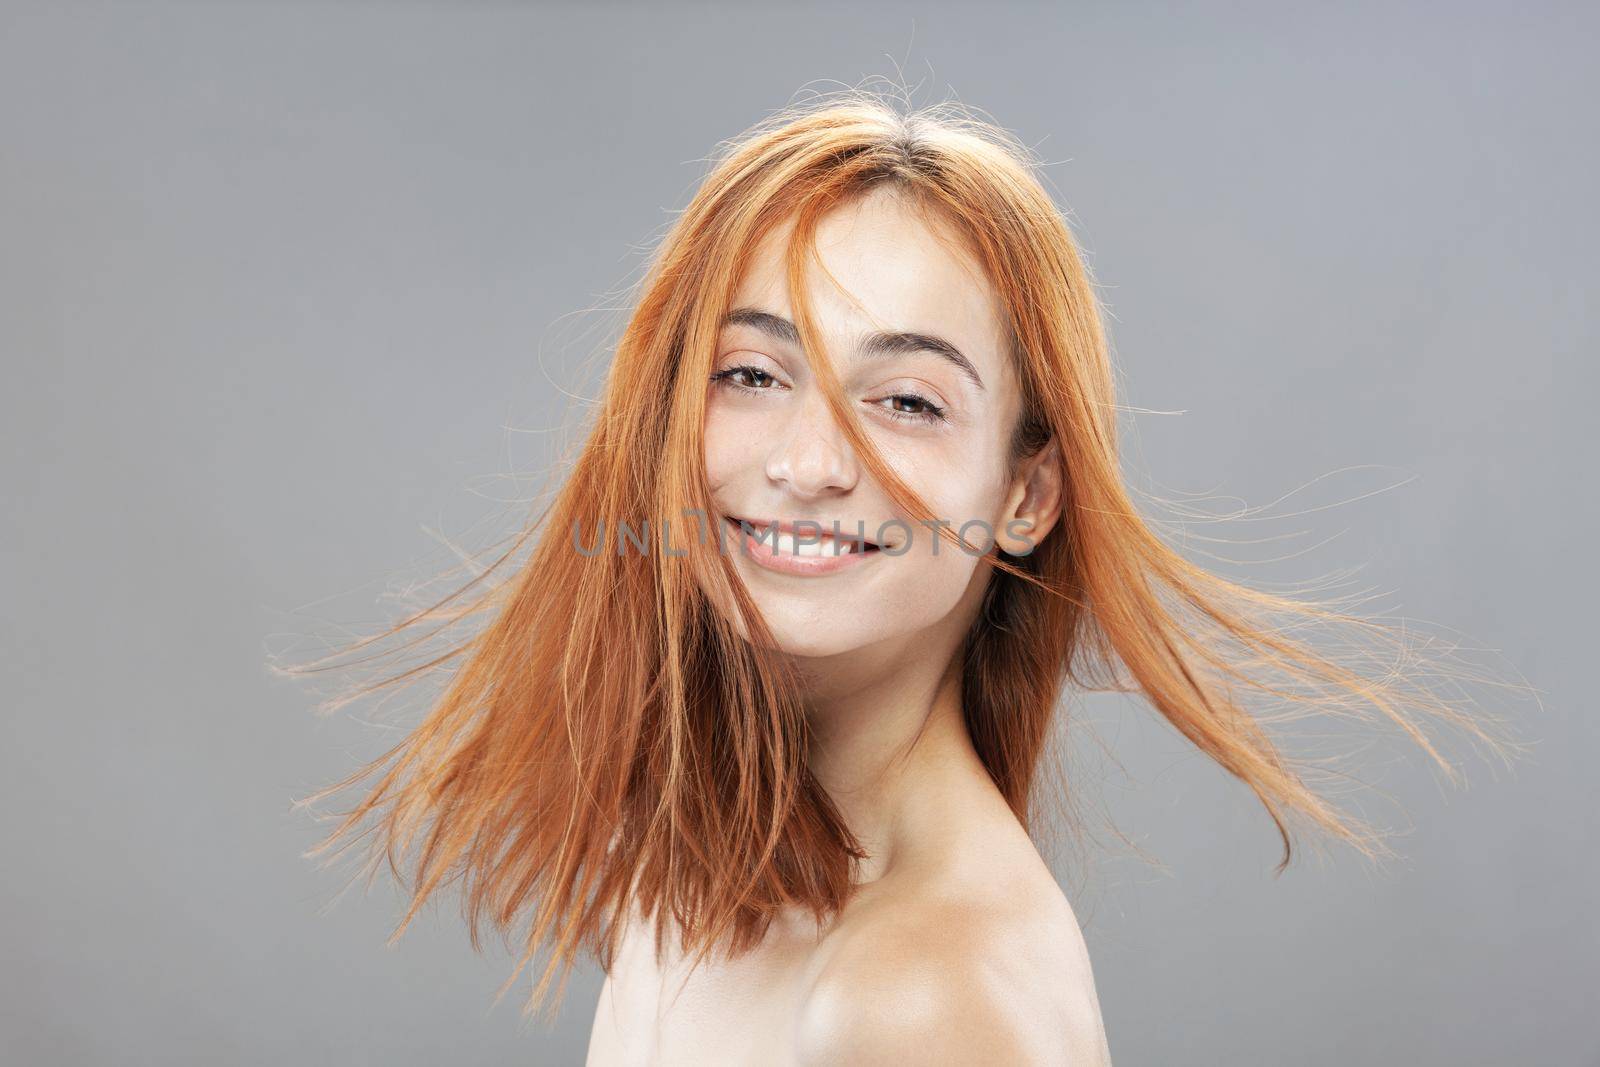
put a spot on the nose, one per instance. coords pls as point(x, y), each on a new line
point(809, 454)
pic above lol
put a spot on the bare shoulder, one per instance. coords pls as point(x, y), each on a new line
point(958, 973)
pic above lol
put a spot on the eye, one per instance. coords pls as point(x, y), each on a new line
point(745, 377)
point(911, 407)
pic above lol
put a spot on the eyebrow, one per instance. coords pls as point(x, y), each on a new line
point(879, 343)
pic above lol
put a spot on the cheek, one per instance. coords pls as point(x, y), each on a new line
point(730, 436)
point(972, 485)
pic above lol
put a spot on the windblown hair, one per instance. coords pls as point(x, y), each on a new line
point(607, 739)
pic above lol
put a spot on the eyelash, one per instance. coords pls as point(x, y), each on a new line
point(931, 412)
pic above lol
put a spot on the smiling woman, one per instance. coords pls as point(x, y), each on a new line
point(784, 793)
point(901, 303)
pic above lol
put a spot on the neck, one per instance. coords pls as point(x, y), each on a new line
point(890, 745)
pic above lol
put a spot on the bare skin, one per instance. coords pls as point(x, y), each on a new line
point(957, 946)
point(962, 950)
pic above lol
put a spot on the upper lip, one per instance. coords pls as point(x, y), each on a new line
point(810, 527)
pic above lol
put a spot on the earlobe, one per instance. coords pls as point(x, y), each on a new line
point(1017, 538)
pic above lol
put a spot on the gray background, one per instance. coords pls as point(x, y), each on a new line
point(278, 277)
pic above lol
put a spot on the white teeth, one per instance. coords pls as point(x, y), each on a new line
point(788, 545)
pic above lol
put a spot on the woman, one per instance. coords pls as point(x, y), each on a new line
point(758, 720)
point(956, 938)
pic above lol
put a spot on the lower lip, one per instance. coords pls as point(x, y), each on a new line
point(807, 566)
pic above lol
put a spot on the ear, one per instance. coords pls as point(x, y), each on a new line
point(1033, 505)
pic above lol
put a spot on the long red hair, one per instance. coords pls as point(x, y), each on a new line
point(607, 740)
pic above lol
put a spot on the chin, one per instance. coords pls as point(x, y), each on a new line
point(810, 643)
point(801, 630)
point(820, 618)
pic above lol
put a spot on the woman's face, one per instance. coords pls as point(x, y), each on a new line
point(921, 355)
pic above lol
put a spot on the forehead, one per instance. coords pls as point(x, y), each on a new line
point(898, 271)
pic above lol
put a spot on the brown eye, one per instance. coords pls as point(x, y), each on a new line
point(912, 408)
point(745, 377)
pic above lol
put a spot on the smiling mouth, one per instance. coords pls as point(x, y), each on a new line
point(812, 540)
